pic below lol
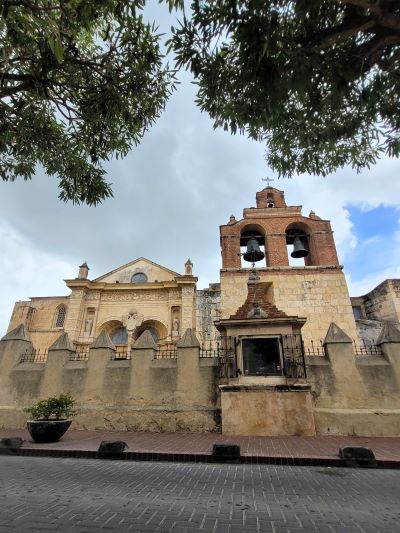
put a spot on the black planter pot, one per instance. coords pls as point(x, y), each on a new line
point(47, 430)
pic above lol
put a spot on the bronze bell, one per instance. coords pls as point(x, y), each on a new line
point(298, 249)
point(253, 252)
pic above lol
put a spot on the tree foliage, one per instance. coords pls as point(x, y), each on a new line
point(80, 80)
point(318, 80)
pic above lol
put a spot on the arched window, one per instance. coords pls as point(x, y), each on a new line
point(120, 336)
point(139, 277)
point(60, 317)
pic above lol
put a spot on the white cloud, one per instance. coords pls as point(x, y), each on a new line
point(26, 271)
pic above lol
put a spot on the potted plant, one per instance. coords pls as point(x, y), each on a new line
point(50, 417)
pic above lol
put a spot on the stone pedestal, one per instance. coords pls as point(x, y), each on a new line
point(267, 410)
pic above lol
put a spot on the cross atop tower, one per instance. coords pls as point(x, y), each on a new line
point(268, 180)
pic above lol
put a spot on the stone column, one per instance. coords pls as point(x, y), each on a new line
point(188, 307)
point(350, 391)
point(189, 390)
point(100, 353)
point(142, 355)
point(59, 354)
point(12, 346)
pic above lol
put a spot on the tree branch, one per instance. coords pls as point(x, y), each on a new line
point(374, 8)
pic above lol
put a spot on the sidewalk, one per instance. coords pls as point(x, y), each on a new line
point(197, 447)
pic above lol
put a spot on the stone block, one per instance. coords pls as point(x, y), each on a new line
point(226, 453)
point(111, 449)
point(358, 456)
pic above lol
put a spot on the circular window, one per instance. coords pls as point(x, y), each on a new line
point(140, 277)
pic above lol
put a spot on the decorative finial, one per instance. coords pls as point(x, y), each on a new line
point(83, 271)
point(189, 268)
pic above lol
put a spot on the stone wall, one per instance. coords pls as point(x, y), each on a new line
point(357, 394)
point(141, 393)
point(346, 393)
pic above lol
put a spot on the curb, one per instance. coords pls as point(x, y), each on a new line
point(200, 458)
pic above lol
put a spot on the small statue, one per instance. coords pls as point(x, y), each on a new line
point(88, 325)
point(175, 326)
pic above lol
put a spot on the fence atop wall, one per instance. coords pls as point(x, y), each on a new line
point(34, 356)
point(163, 352)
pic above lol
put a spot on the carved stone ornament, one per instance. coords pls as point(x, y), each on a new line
point(132, 320)
point(122, 296)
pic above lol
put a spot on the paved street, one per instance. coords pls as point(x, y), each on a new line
point(83, 495)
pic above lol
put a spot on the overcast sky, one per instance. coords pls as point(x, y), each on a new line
point(170, 196)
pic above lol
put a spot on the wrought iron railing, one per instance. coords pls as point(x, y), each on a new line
point(79, 355)
point(165, 353)
point(36, 356)
point(314, 348)
point(209, 350)
point(364, 347)
point(122, 353)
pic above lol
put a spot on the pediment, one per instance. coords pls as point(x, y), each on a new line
point(153, 271)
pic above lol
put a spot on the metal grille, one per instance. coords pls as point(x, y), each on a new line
point(60, 317)
point(227, 360)
point(293, 356)
point(36, 356)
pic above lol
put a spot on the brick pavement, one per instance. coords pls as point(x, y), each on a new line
point(198, 446)
point(40, 494)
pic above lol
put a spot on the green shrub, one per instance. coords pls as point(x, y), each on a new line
point(53, 408)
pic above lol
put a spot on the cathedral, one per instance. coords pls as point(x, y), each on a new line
point(276, 347)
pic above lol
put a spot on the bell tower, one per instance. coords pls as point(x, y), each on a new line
point(300, 272)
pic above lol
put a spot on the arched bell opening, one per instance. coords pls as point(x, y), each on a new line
point(298, 245)
point(252, 246)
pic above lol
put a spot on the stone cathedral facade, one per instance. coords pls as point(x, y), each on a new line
point(271, 349)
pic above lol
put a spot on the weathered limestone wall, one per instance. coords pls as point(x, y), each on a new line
point(357, 395)
point(382, 303)
point(39, 318)
point(260, 410)
point(317, 293)
point(143, 393)
point(37, 314)
point(368, 330)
